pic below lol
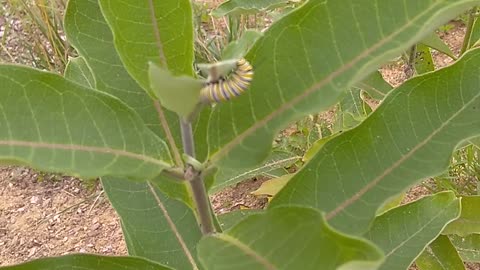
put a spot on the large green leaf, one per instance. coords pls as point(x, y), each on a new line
point(152, 31)
point(440, 255)
point(403, 232)
point(88, 32)
point(468, 247)
point(469, 220)
point(150, 221)
point(155, 226)
point(88, 262)
point(285, 238)
point(306, 60)
point(56, 125)
point(410, 136)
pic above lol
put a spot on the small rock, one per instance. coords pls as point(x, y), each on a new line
point(82, 250)
point(21, 209)
point(46, 202)
point(108, 248)
point(90, 245)
point(32, 251)
point(95, 226)
point(34, 200)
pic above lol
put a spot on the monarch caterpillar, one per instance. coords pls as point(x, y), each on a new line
point(230, 87)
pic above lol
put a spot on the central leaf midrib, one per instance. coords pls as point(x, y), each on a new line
point(85, 148)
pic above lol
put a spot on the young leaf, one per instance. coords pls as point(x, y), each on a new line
point(237, 48)
point(468, 247)
point(78, 70)
point(296, 238)
point(305, 61)
point(178, 94)
point(273, 186)
point(410, 136)
point(434, 42)
point(423, 59)
point(440, 255)
point(53, 124)
point(403, 232)
point(475, 36)
point(88, 262)
point(469, 220)
point(155, 226)
point(239, 7)
point(229, 177)
point(375, 85)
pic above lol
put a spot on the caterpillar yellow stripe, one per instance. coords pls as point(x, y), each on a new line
point(233, 86)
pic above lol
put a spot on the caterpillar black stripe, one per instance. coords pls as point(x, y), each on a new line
point(233, 86)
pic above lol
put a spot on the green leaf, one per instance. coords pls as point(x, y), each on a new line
point(273, 186)
point(150, 240)
point(475, 141)
point(435, 42)
point(229, 177)
point(403, 232)
point(305, 61)
point(352, 110)
point(317, 145)
point(88, 32)
point(468, 247)
point(152, 31)
point(375, 85)
point(410, 136)
point(56, 125)
point(239, 7)
point(391, 203)
point(469, 220)
point(296, 238)
point(475, 36)
point(179, 94)
point(78, 71)
point(423, 59)
point(230, 219)
point(440, 255)
point(88, 262)
point(237, 48)
point(155, 226)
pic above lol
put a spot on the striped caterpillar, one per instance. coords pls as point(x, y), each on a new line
point(227, 88)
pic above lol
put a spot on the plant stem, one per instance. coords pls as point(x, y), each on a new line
point(410, 69)
point(468, 33)
point(195, 180)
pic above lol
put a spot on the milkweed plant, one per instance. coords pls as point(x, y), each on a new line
point(162, 132)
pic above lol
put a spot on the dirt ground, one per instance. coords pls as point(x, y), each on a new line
point(47, 215)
